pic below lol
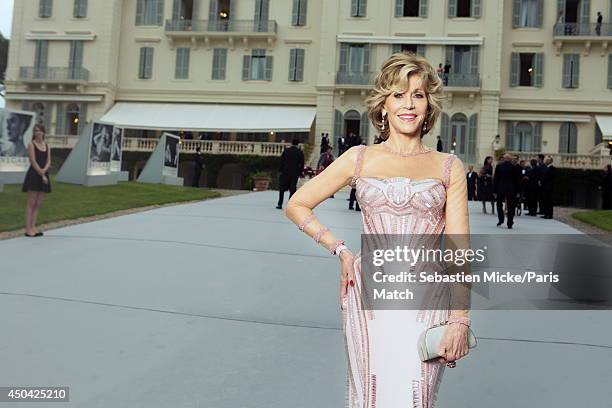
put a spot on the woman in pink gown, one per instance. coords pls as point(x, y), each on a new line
point(403, 187)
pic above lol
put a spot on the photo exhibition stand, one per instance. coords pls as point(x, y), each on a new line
point(155, 170)
point(75, 168)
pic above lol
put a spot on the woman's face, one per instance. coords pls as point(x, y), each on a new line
point(407, 110)
point(38, 134)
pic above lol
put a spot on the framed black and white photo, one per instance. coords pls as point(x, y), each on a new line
point(100, 144)
point(16, 128)
point(116, 149)
point(171, 154)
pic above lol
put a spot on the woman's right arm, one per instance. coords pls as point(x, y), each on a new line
point(32, 157)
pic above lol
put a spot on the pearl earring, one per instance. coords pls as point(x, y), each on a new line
point(383, 122)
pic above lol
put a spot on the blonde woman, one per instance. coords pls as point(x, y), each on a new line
point(403, 187)
point(36, 182)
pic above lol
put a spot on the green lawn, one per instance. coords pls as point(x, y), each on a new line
point(599, 218)
point(69, 201)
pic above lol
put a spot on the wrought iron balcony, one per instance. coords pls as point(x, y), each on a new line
point(54, 74)
point(582, 30)
point(461, 80)
point(220, 26)
point(353, 78)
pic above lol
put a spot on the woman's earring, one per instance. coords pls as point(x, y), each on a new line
point(383, 122)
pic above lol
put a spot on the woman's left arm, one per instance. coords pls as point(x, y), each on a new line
point(457, 236)
point(48, 164)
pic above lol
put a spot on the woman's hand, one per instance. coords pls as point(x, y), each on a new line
point(454, 343)
point(347, 274)
point(45, 179)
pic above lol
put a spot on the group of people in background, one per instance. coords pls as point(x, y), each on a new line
point(514, 184)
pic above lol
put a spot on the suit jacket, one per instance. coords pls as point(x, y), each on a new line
point(292, 161)
point(471, 178)
point(547, 178)
point(507, 178)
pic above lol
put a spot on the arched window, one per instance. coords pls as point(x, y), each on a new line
point(568, 137)
point(458, 135)
point(523, 137)
point(72, 119)
point(352, 124)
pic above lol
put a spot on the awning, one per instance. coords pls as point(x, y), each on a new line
point(211, 118)
point(605, 125)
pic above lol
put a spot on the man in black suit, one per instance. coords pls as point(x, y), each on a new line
point(439, 146)
point(472, 180)
point(540, 169)
point(506, 187)
point(198, 165)
point(547, 181)
point(291, 166)
point(532, 188)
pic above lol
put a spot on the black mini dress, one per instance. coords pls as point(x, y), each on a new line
point(33, 181)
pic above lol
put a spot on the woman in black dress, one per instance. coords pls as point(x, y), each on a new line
point(485, 185)
point(36, 182)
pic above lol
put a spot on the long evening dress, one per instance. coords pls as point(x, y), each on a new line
point(384, 369)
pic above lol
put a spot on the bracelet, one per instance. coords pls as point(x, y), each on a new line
point(340, 249)
point(308, 218)
point(460, 319)
point(319, 233)
point(334, 247)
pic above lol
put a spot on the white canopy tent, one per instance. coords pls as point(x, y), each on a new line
point(605, 124)
point(211, 118)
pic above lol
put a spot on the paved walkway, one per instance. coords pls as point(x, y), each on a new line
point(225, 304)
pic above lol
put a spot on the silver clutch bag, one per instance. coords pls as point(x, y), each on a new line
point(429, 341)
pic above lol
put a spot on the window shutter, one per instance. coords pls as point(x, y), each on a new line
point(45, 8)
point(366, 58)
point(563, 132)
point(60, 114)
point(246, 67)
point(540, 16)
point(76, 54)
point(299, 73)
point(471, 145)
point(268, 70)
point(576, 73)
point(365, 127)
point(140, 12)
point(514, 69)
point(176, 9)
point(338, 123)
point(609, 71)
point(149, 63)
point(295, 13)
point(354, 8)
point(475, 59)
point(537, 140)
point(141, 62)
point(363, 8)
point(450, 56)
point(82, 117)
point(399, 8)
point(567, 60)
point(445, 131)
point(159, 13)
point(182, 63)
point(25, 105)
point(292, 63)
point(452, 8)
point(585, 14)
point(219, 62)
point(516, 13)
point(423, 8)
point(475, 8)
point(303, 12)
point(343, 57)
point(396, 48)
point(421, 50)
point(539, 69)
point(560, 8)
point(573, 137)
point(509, 135)
point(80, 8)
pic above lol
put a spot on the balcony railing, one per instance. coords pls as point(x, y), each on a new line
point(570, 160)
point(353, 78)
point(55, 74)
point(230, 26)
point(461, 80)
point(135, 144)
point(582, 29)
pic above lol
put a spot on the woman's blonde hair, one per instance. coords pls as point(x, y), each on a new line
point(393, 76)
